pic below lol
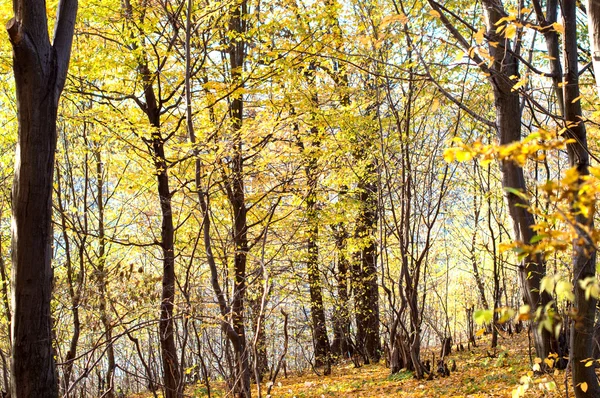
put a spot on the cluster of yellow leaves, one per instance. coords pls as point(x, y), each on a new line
point(531, 147)
point(545, 383)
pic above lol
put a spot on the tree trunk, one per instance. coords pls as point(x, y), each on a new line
point(101, 278)
point(40, 71)
point(235, 331)
point(584, 253)
point(365, 275)
point(508, 124)
point(320, 339)
point(236, 196)
point(172, 377)
point(341, 345)
point(317, 310)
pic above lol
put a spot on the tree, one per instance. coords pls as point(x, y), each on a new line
point(584, 250)
point(40, 69)
point(503, 63)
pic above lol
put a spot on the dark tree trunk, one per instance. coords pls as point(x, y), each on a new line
point(235, 331)
point(40, 71)
point(321, 345)
point(341, 345)
point(236, 195)
point(365, 269)
point(172, 378)
point(317, 309)
point(546, 21)
point(508, 124)
point(74, 284)
point(584, 253)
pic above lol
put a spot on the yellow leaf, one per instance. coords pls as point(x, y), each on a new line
point(480, 332)
point(434, 13)
point(393, 18)
point(479, 36)
point(510, 32)
point(463, 156)
point(449, 155)
point(589, 363)
point(576, 99)
point(560, 29)
point(583, 386)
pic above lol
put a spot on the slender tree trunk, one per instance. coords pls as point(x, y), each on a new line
point(473, 248)
point(546, 21)
point(40, 70)
point(172, 376)
point(341, 345)
point(584, 253)
point(317, 309)
point(320, 338)
point(101, 278)
point(235, 331)
point(236, 195)
point(74, 283)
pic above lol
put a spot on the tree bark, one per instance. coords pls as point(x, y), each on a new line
point(341, 346)
point(317, 309)
point(584, 253)
point(40, 70)
point(365, 268)
point(508, 123)
point(101, 278)
point(152, 108)
point(236, 196)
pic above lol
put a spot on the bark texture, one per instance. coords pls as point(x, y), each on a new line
point(508, 123)
point(365, 268)
point(584, 253)
point(40, 70)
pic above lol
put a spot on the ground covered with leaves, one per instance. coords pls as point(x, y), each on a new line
point(481, 372)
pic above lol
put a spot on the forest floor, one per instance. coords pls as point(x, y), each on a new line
point(481, 372)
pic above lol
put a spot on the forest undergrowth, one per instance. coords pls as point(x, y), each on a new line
point(480, 372)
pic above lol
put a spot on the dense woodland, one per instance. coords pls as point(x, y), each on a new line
point(196, 192)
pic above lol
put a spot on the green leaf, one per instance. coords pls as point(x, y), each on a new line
point(483, 316)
